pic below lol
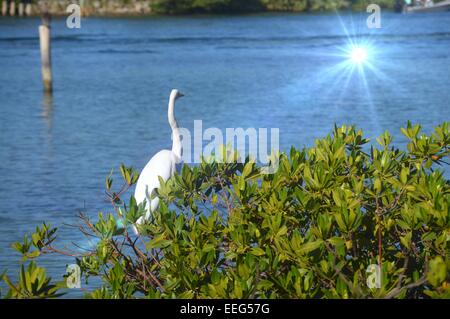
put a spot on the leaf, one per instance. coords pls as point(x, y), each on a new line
point(406, 240)
point(264, 284)
point(337, 198)
point(109, 181)
point(208, 247)
point(282, 231)
point(340, 222)
point(247, 169)
point(437, 272)
point(404, 175)
point(158, 242)
point(336, 241)
point(33, 254)
point(257, 251)
point(377, 185)
point(310, 246)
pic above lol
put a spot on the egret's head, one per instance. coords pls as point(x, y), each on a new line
point(175, 94)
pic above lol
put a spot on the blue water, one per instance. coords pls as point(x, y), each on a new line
point(112, 78)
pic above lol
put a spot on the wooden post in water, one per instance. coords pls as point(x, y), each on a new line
point(21, 9)
point(28, 9)
point(44, 39)
point(4, 7)
point(12, 9)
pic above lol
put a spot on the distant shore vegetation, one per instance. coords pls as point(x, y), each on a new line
point(181, 7)
point(240, 6)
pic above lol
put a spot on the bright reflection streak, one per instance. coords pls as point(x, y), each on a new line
point(358, 52)
point(359, 55)
point(347, 71)
point(357, 58)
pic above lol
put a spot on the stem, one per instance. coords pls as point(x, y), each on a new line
point(395, 292)
point(380, 239)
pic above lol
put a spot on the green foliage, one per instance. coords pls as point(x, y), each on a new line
point(310, 230)
point(33, 283)
point(205, 6)
point(362, 4)
point(42, 237)
point(286, 5)
point(231, 6)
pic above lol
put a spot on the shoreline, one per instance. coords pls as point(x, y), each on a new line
point(146, 8)
point(60, 15)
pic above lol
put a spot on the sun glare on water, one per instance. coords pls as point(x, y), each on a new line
point(358, 55)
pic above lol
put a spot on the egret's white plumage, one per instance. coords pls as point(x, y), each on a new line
point(163, 163)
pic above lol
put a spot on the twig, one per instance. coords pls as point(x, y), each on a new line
point(398, 290)
point(380, 240)
point(402, 274)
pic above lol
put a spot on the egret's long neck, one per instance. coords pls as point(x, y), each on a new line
point(176, 144)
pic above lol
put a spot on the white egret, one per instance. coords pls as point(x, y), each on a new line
point(161, 164)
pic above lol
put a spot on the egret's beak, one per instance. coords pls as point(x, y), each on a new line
point(180, 94)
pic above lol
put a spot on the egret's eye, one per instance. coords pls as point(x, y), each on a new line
point(358, 55)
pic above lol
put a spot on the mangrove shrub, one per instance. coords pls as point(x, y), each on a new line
point(342, 219)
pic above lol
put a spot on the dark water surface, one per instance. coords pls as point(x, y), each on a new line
point(113, 76)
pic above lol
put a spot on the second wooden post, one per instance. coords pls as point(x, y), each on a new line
point(44, 39)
